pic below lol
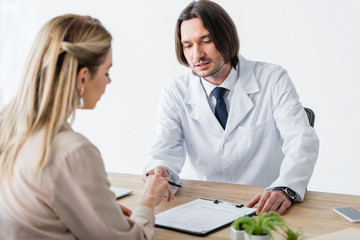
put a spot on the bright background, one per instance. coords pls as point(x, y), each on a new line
point(318, 42)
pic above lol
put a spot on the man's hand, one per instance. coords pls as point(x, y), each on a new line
point(276, 201)
point(157, 170)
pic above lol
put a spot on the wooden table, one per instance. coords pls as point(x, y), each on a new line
point(313, 217)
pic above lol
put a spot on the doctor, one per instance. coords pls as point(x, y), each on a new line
point(257, 133)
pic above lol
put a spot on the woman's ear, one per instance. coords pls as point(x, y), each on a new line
point(82, 76)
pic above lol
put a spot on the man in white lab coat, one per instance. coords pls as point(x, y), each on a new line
point(263, 138)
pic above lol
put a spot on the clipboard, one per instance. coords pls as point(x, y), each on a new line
point(202, 216)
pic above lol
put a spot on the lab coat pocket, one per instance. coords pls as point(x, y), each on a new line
point(251, 140)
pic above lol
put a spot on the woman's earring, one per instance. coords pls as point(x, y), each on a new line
point(81, 98)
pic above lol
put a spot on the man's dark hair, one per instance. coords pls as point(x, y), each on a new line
point(221, 28)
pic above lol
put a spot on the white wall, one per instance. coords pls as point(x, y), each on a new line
point(316, 41)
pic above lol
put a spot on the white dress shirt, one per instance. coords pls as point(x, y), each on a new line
point(228, 84)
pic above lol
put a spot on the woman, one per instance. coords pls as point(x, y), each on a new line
point(53, 181)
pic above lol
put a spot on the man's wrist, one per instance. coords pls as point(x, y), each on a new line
point(288, 192)
point(169, 173)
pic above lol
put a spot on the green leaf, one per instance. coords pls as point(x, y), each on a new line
point(262, 224)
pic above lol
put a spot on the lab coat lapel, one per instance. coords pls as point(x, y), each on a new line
point(198, 107)
point(242, 104)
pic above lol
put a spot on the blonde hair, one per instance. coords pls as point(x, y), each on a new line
point(48, 93)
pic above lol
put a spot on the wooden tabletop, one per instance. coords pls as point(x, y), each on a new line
point(313, 217)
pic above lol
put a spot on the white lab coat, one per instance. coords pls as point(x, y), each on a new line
point(267, 141)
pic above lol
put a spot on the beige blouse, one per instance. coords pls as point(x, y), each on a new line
point(71, 199)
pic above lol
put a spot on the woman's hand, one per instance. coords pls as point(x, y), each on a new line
point(126, 211)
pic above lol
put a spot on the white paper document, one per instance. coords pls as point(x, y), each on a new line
point(201, 216)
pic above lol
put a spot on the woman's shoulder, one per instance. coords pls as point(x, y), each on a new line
point(69, 141)
point(71, 150)
point(69, 135)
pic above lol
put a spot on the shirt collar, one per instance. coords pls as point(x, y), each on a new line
point(229, 83)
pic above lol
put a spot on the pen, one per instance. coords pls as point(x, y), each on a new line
point(170, 182)
point(234, 204)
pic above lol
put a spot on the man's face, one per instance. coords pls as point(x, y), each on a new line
point(199, 50)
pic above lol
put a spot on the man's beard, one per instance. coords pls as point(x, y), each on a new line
point(212, 73)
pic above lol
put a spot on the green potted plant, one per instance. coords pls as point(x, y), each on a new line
point(289, 234)
point(237, 231)
point(258, 227)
